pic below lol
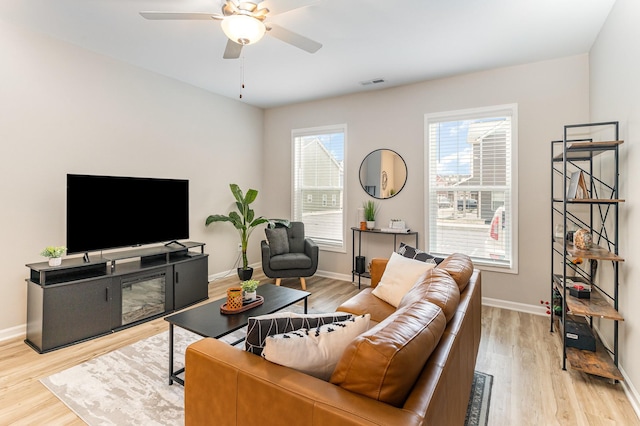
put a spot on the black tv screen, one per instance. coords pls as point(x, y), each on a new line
point(105, 212)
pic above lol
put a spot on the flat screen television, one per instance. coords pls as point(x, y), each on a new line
point(105, 212)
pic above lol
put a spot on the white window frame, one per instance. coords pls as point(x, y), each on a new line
point(338, 128)
point(468, 114)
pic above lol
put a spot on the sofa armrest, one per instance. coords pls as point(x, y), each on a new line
point(376, 268)
point(235, 387)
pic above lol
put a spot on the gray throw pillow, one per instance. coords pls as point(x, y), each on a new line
point(278, 240)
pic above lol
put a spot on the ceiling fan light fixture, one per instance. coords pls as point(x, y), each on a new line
point(243, 29)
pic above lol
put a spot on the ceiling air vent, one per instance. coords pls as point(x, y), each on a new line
point(374, 81)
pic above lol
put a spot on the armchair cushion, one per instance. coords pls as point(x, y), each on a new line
point(290, 261)
point(278, 240)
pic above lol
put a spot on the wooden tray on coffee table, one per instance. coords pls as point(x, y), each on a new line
point(245, 306)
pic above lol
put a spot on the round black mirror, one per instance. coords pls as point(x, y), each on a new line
point(383, 173)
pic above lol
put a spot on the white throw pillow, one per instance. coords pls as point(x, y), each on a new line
point(399, 276)
point(316, 351)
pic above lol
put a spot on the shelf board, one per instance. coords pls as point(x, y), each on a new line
point(595, 306)
point(590, 200)
point(596, 252)
point(582, 151)
point(598, 363)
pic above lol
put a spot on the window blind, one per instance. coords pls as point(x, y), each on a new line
point(318, 184)
point(470, 189)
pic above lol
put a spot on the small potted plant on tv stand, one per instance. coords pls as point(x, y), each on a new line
point(244, 221)
point(54, 254)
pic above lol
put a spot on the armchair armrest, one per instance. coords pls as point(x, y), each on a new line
point(236, 387)
point(311, 249)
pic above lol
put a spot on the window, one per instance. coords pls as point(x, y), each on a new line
point(318, 164)
point(471, 197)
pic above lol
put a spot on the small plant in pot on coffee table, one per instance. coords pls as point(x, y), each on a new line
point(249, 287)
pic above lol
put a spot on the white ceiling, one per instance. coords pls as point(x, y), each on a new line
point(401, 42)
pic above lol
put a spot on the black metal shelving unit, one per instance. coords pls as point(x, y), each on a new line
point(597, 211)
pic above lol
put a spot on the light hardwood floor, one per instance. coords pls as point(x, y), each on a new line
point(529, 386)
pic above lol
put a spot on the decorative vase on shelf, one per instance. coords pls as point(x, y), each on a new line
point(55, 261)
point(371, 224)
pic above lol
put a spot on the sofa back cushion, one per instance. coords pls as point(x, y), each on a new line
point(384, 362)
point(460, 267)
point(437, 287)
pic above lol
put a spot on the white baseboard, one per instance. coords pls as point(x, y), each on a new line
point(19, 331)
point(515, 306)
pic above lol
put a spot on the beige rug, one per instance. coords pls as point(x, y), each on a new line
point(128, 386)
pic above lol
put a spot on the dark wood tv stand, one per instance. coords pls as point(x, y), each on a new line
point(81, 300)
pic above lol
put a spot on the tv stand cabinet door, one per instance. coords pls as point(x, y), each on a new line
point(75, 312)
point(190, 282)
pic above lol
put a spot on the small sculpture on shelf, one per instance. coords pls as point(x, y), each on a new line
point(583, 239)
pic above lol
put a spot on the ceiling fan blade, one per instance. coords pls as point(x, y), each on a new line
point(281, 6)
point(232, 51)
point(152, 15)
point(293, 39)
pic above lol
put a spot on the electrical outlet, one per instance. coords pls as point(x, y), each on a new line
point(239, 246)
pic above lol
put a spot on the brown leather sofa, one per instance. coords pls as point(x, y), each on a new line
point(228, 386)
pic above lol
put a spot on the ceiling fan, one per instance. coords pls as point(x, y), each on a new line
point(243, 22)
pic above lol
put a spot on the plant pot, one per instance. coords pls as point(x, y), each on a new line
point(55, 261)
point(245, 274)
point(250, 296)
point(371, 224)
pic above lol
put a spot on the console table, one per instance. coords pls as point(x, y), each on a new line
point(371, 231)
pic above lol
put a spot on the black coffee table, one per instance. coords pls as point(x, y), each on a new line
point(207, 321)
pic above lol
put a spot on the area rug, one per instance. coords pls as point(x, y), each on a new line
point(478, 408)
point(129, 386)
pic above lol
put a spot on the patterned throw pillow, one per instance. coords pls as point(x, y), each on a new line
point(417, 254)
point(315, 351)
point(283, 322)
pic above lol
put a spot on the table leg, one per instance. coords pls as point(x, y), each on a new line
point(305, 304)
point(170, 354)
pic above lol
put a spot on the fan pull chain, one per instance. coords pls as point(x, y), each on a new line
point(241, 76)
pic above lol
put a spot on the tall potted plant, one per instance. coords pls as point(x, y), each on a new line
point(244, 221)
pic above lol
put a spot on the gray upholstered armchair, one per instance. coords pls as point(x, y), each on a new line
point(288, 254)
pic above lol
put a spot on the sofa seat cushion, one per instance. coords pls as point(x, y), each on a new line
point(437, 287)
point(365, 302)
point(460, 267)
point(314, 351)
point(384, 362)
point(399, 276)
point(260, 327)
point(290, 261)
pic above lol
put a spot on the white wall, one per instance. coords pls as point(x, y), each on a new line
point(615, 96)
point(549, 95)
point(66, 110)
